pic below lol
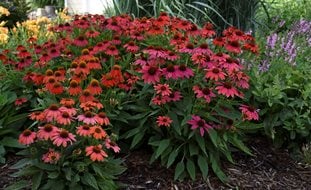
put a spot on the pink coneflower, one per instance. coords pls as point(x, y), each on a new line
point(102, 119)
point(203, 49)
point(87, 118)
point(215, 74)
point(131, 47)
point(208, 30)
point(92, 34)
point(51, 157)
point(64, 119)
point(198, 122)
point(27, 137)
point(84, 130)
point(69, 109)
point(164, 121)
point(219, 57)
point(232, 65)
point(54, 52)
point(80, 41)
point(112, 50)
point(62, 137)
point(163, 89)
point(184, 72)
point(188, 48)
point(219, 41)
point(170, 72)
point(151, 74)
point(96, 153)
point(37, 116)
point(205, 93)
point(111, 145)
point(98, 132)
point(20, 101)
point(46, 132)
point(52, 112)
point(57, 88)
point(174, 97)
point(249, 112)
point(172, 56)
point(159, 100)
point(227, 89)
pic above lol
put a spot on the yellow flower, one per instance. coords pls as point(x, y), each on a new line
point(4, 11)
point(3, 38)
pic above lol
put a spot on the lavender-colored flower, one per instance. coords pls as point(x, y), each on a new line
point(264, 66)
point(271, 40)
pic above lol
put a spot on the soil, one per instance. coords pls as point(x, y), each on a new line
point(269, 168)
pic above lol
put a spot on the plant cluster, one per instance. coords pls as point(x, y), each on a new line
point(16, 11)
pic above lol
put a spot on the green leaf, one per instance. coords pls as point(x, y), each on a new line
point(239, 144)
point(36, 180)
point(53, 175)
point(201, 142)
point(171, 158)
point(11, 142)
point(21, 163)
point(180, 167)
point(191, 169)
point(203, 166)
point(90, 180)
point(137, 138)
point(18, 185)
point(68, 173)
point(162, 146)
point(213, 136)
point(175, 124)
point(215, 166)
point(193, 149)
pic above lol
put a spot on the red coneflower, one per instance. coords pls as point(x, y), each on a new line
point(94, 64)
point(219, 41)
point(86, 96)
point(112, 50)
point(67, 101)
point(233, 47)
point(59, 75)
point(208, 30)
point(74, 88)
point(205, 93)
point(163, 89)
point(215, 74)
point(57, 88)
point(51, 157)
point(80, 41)
point(164, 121)
point(170, 72)
point(92, 34)
point(82, 68)
point(20, 101)
point(94, 87)
point(27, 137)
point(96, 153)
point(151, 74)
point(158, 100)
point(98, 132)
point(52, 112)
point(184, 72)
point(173, 97)
point(87, 118)
point(131, 47)
point(62, 137)
point(102, 119)
point(108, 80)
point(227, 89)
point(198, 122)
point(84, 130)
point(249, 112)
point(37, 116)
point(46, 132)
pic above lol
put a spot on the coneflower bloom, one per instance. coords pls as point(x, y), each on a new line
point(59, 75)
point(108, 80)
point(82, 68)
point(215, 74)
point(208, 30)
point(52, 112)
point(188, 48)
point(203, 49)
point(80, 41)
point(163, 89)
point(20, 101)
point(219, 41)
point(249, 112)
point(227, 89)
point(86, 96)
point(98, 132)
point(69, 109)
point(205, 93)
point(92, 34)
point(90, 105)
point(164, 121)
point(74, 88)
point(231, 65)
point(37, 116)
point(102, 119)
point(27, 137)
point(111, 145)
point(57, 88)
point(46, 132)
point(170, 72)
point(112, 50)
point(220, 57)
point(64, 119)
point(87, 118)
point(84, 130)
point(62, 137)
point(184, 72)
point(233, 47)
point(94, 64)
point(173, 97)
point(171, 56)
point(96, 153)
point(198, 122)
point(94, 87)
point(131, 47)
point(67, 101)
point(159, 100)
point(51, 157)
point(151, 74)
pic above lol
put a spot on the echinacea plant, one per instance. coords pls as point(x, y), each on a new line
point(162, 79)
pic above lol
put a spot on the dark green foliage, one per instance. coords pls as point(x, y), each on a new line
point(18, 12)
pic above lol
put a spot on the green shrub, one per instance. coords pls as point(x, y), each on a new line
point(18, 12)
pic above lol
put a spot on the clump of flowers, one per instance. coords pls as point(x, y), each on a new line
point(179, 84)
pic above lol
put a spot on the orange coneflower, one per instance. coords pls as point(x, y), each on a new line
point(62, 137)
point(45, 132)
point(27, 137)
point(86, 96)
point(74, 88)
point(94, 87)
point(84, 130)
point(37, 116)
point(67, 101)
point(51, 157)
point(52, 112)
point(96, 153)
point(69, 109)
point(57, 88)
point(98, 132)
point(59, 75)
point(64, 119)
point(102, 119)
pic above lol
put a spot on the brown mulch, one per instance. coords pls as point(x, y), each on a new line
point(269, 168)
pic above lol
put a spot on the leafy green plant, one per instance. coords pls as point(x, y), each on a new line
point(18, 12)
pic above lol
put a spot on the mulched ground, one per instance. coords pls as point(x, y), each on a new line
point(268, 169)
